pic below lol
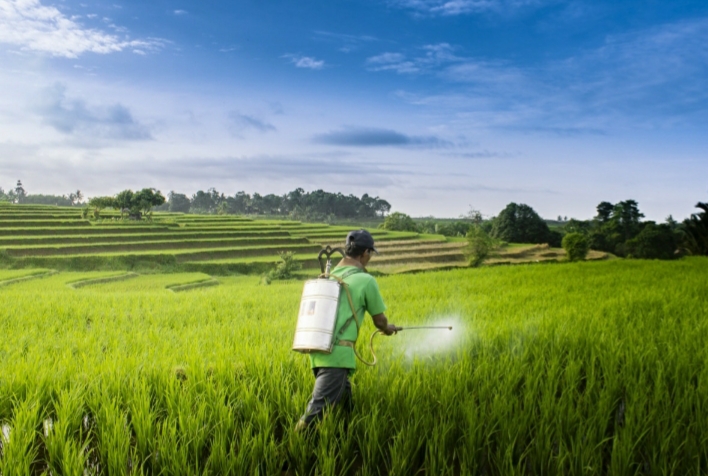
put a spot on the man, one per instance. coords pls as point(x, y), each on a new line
point(332, 387)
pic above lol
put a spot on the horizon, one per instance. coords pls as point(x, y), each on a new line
point(432, 105)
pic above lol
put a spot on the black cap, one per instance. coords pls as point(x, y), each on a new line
point(361, 239)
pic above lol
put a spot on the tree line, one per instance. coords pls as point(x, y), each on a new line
point(20, 195)
point(298, 204)
point(616, 228)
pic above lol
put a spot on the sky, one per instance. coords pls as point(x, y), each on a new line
point(438, 106)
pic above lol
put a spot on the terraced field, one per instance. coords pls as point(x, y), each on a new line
point(59, 238)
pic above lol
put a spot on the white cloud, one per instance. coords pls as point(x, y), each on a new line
point(462, 7)
point(305, 61)
point(180, 12)
point(36, 27)
point(433, 55)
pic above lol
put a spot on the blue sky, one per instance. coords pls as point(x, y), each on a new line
point(434, 105)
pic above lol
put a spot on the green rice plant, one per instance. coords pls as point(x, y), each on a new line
point(584, 368)
point(65, 442)
point(19, 439)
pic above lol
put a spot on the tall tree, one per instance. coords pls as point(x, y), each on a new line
point(519, 223)
point(604, 211)
point(627, 218)
point(179, 202)
point(20, 192)
point(696, 231)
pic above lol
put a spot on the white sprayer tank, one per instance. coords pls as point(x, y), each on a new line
point(318, 316)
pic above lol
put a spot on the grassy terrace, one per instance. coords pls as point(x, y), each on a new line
point(150, 246)
point(58, 238)
point(41, 240)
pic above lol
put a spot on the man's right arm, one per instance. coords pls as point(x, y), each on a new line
point(382, 324)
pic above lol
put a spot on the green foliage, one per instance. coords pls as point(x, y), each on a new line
point(145, 199)
point(20, 193)
point(444, 227)
point(653, 242)
point(479, 245)
point(285, 269)
point(136, 203)
point(178, 202)
point(521, 224)
point(696, 231)
point(576, 246)
point(398, 221)
point(535, 378)
point(124, 200)
point(99, 203)
point(317, 205)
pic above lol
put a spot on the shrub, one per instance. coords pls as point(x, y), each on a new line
point(398, 221)
point(653, 242)
point(576, 246)
point(479, 245)
point(285, 269)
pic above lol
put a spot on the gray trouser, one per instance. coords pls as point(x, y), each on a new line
point(332, 387)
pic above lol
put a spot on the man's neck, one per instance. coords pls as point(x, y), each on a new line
point(346, 261)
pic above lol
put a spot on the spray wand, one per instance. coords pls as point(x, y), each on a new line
point(398, 329)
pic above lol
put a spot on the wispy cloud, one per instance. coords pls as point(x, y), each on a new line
point(180, 12)
point(348, 42)
point(35, 27)
point(307, 62)
point(374, 137)
point(74, 117)
point(462, 7)
point(653, 76)
point(425, 59)
point(241, 122)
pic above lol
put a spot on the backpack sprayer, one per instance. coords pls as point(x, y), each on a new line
point(317, 320)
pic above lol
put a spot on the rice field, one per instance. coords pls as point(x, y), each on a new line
point(573, 369)
point(58, 238)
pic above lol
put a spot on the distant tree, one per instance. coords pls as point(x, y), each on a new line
point(398, 221)
point(598, 241)
point(223, 208)
point(99, 203)
point(695, 239)
point(673, 224)
point(576, 246)
point(381, 206)
point(124, 201)
point(653, 242)
point(479, 245)
point(206, 202)
point(604, 211)
point(576, 226)
point(626, 218)
point(20, 192)
point(76, 197)
point(144, 200)
point(521, 224)
point(58, 200)
point(474, 215)
point(457, 228)
point(178, 202)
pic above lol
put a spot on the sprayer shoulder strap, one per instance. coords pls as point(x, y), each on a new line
point(345, 286)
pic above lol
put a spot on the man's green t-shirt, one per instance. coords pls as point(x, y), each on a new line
point(366, 297)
